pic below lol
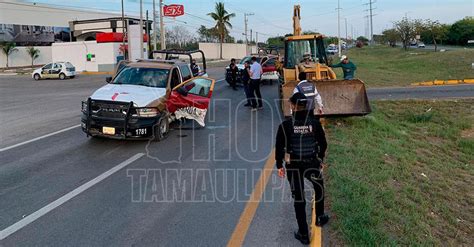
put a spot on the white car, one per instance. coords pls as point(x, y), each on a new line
point(332, 51)
point(421, 45)
point(61, 70)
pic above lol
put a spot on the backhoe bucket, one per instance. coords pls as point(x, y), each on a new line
point(340, 97)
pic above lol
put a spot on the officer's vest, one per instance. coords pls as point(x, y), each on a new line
point(303, 142)
point(307, 88)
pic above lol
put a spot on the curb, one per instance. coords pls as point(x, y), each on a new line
point(95, 73)
point(7, 74)
point(443, 82)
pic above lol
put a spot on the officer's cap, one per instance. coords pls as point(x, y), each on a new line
point(298, 99)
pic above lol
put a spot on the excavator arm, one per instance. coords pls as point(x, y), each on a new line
point(296, 21)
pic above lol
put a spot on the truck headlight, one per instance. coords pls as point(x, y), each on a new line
point(147, 112)
point(84, 107)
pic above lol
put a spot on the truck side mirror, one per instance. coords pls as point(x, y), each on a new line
point(108, 79)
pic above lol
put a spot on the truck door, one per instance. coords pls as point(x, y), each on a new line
point(191, 99)
point(269, 65)
point(175, 78)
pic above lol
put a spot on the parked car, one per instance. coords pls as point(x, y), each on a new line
point(332, 50)
point(144, 97)
point(61, 70)
point(421, 45)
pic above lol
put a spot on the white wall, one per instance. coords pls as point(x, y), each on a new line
point(22, 58)
point(229, 50)
point(22, 13)
point(76, 53)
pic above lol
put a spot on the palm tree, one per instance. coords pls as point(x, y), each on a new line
point(8, 48)
point(222, 18)
point(34, 53)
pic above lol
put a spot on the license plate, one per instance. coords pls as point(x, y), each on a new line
point(108, 130)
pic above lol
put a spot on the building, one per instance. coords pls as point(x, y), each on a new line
point(62, 33)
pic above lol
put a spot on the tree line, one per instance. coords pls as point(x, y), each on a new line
point(429, 32)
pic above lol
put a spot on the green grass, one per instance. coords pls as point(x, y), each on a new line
point(403, 175)
point(382, 66)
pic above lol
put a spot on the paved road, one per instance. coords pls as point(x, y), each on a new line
point(431, 92)
point(34, 175)
point(190, 189)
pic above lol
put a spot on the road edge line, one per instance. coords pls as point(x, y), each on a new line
point(316, 236)
point(243, 225)
point(63, 199)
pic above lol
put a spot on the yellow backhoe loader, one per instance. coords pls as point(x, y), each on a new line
point(340, 97)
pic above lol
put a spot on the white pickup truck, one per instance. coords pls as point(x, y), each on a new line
point(143, 97)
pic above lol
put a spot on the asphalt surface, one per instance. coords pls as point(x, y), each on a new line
point(190, 189)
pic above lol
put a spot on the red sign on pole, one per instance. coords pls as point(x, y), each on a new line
point(173, 10)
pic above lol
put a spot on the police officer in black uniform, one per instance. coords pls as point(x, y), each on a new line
point(302, 138)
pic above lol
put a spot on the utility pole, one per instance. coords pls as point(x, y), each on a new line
point(162, 28)
point(345, 20)
point(148, 42)
point(339, 26)
point(256, 40)
point(155, 31)
point(141, 29)
point(352, 33)
point(371, 24)
point(246, 36)
point(251, 36)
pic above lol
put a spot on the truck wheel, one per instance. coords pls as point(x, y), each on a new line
point(62, 76)
point(161, 129)
point(37, 77)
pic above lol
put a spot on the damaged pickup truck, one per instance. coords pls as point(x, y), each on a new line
point(144, 97)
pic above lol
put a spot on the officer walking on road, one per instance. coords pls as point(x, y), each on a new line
point(311, 93)
point(348, 68)
point(303, 138)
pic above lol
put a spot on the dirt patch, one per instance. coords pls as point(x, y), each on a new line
point(468, 133)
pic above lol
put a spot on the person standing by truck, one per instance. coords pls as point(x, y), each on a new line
point(348, 68)
point(233, 70)
point(301, 144)
point(256, 72)
point(245, 81)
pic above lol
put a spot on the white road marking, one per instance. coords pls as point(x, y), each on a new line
point(39, 138)
point(48, 208)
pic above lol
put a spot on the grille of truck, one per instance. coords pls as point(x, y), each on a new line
point(111, 110)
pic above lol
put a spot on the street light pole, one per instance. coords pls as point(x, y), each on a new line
point(162, 28)
point(141, 29)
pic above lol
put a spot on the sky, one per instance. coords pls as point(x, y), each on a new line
point(274, 17)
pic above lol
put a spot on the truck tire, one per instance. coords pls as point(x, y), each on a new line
point(161, 129)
